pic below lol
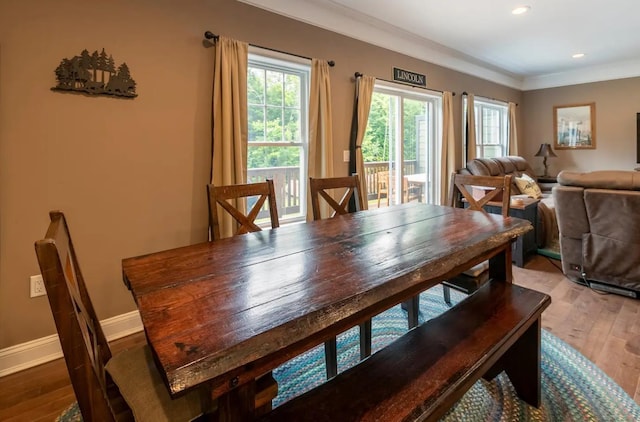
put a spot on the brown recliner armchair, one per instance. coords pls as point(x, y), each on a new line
point(599, 220)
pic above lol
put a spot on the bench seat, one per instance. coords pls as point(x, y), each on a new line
point(425, 372)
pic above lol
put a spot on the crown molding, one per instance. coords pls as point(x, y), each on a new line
point(330, 16)
point(337, 18)
point(605, 72)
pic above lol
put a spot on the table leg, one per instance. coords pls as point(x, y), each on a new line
point(238, 404)
point(500, 266)
point(412, 306)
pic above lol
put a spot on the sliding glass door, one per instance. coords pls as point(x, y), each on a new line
point(400, 147)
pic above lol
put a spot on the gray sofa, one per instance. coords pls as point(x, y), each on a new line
point(599, 221)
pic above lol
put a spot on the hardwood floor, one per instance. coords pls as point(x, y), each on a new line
point(603, 327)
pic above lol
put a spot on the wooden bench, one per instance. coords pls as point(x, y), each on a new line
point(425, 372)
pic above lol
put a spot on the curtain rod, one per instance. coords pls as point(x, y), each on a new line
point(211, 36)
point(489, 98)
point(358, 74)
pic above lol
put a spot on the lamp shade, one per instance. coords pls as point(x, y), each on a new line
point(545, 151)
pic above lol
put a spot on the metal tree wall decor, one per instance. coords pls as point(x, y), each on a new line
point(95, 74)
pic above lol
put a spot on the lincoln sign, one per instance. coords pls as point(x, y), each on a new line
point(408, 77)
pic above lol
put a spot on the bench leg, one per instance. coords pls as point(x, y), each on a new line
point(331, 357)
point(412, 306)
point(522, 365)
point(365, 339)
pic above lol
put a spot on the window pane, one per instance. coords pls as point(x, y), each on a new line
point(414, 113)
point(292, 91)
point(375, 146)
point(282, 164)
point(492, 151)
point(292, 130)
point(274, 88)
point(255, 86)
point(256, 124)
point(414, 149)
point(274, 124)
point(490, 126)
point(400, 141)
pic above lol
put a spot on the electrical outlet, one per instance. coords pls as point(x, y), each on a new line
point(37, 286)
point(346, 155)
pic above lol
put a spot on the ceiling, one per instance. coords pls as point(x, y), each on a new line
point(483, 38)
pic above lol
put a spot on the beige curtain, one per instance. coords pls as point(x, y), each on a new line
point(513, 130)
point(320, 126)
point(365, 85)
point(448, 150)
point(471, 128)
point(229, 124)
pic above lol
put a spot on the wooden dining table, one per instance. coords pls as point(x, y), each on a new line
point(220, 314)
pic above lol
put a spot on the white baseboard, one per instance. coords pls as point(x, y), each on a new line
point(26, 355)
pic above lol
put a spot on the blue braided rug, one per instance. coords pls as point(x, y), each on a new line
point(573, 388)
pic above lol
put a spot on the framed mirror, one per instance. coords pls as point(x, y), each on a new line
point(574, 126)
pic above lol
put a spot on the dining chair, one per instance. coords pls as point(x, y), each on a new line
point(473, 193)
point(325, 188)
point(220, 196)
point(110, 387)
point(386, 185)
point(476, 191)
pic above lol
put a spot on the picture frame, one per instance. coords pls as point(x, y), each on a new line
point(574, 126)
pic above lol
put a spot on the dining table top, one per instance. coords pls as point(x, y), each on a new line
point(227, 311)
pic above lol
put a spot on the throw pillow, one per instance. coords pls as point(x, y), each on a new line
point(528, 186)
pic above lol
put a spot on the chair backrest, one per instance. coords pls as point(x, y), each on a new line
point(221, 195)
point(383, 179)
point(84, 345)
point(480, 190)
point(322, 187)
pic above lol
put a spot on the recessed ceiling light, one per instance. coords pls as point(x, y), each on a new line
point(520, 10)
point(578, 55)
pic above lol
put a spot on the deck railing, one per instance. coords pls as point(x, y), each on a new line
point(287, 183)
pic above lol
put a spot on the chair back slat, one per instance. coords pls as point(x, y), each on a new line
point(487, 189)
point(84, 345)
point(227, 197)
point(323, 187)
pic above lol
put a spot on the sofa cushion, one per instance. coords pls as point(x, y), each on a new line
point(508, 166)
point(602, 179)
point(516, 165)
point(484, 167)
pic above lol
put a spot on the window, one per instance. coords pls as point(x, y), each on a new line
point(278, 98)
point(492, 121)
point(400, 147)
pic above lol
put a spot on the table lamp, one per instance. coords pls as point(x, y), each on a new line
point(545, 151)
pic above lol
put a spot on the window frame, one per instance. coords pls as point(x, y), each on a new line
point(481, 104)
point(279, 62)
